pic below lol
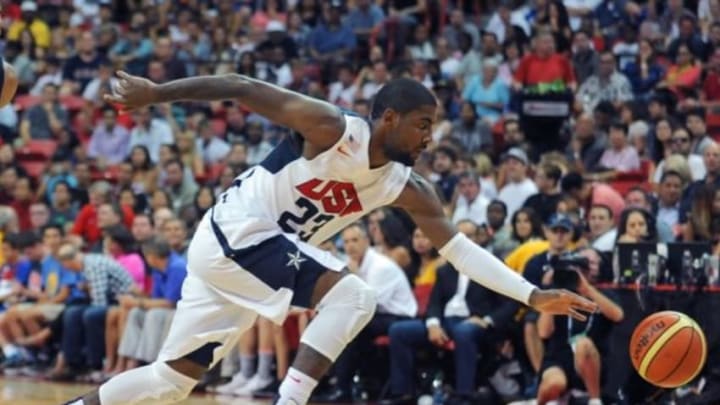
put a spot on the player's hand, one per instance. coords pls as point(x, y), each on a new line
point(132, 92)
point(561, 302)
point(437, 336)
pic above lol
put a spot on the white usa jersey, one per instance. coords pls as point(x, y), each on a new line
point(313, 198)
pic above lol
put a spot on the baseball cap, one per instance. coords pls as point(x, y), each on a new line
point(516, 153)
point(560, 221)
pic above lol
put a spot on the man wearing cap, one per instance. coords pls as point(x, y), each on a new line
point(559, 232)
point(38, 28)
point(518, 187)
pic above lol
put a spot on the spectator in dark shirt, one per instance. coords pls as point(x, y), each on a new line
point(164, 52)
point(545, 202)
point(688, 35)
point(443, 163)
point(83, 67)
point(45, 120)
point(586, 147)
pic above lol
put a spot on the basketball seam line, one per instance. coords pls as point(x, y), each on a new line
point(662, 339)
point(687, 350)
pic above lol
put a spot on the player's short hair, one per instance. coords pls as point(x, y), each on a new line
point(156, 246)
point(401, 95)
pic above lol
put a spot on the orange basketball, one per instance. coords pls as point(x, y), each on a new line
point(668, 349)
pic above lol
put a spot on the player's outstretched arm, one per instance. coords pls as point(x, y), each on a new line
point(422, 203)
point(319, 122)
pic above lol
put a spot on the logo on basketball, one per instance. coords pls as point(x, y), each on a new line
point(336, 197)
point(647, 338)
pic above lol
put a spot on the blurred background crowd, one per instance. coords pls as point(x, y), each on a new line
point(564, 126)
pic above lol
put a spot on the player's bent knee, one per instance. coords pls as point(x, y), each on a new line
point(345, 309)
point(175, 385)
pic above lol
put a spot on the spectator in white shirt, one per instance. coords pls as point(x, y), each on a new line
point(470, 204)
point(213, 149)
point(52, 75)
point(342, 92)
point(150, 132)
point(518, 186)
point(680, 145)
point(602, 228)
point(394, 297)
point(380, 76)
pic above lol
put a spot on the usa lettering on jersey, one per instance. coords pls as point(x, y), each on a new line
point(336, 199)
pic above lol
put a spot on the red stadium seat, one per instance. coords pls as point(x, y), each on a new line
point(73, 103)
point(37, 150)
point(34, 169)
point(25, 101)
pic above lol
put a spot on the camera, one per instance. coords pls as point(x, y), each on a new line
point(566, 269)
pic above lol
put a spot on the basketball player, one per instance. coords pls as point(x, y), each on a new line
point(254, 253)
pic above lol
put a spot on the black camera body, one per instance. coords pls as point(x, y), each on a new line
point(565, 270)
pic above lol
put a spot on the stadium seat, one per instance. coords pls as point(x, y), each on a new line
point(37, 150)
point(25, 101)
point(34, 169)
point(73, 103)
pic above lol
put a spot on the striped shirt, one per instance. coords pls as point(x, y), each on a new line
point(106, 278)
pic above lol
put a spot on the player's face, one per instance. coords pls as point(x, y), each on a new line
point(410, 134)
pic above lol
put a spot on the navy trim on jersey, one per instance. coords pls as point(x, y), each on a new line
point(285, 153)
point(277, 262)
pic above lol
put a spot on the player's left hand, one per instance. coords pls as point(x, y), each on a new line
point(132, 92)
point(561, 302)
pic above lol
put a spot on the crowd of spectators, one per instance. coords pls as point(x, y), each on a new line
point(563, 126)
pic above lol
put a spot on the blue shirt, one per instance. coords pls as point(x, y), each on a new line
point(496, 92)
point(325, 40)
point(55, 277)
point(168, 284)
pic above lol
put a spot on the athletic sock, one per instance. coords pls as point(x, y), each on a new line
point(247, 365)
point(265, 362)
point(296, 388)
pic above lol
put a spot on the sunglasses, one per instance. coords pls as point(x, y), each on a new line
point(680, 140)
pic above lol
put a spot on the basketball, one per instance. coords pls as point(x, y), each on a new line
point(668, 349)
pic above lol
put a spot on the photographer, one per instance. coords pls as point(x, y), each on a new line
point(559, 233)
point(573, 349)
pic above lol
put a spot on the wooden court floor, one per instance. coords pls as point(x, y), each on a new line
point(19, 391)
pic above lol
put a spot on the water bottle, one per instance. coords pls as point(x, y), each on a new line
point(687, 267)
point(634, 267)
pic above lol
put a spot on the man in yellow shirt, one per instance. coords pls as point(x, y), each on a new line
point(29, 20)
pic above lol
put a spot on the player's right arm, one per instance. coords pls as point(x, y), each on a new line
point(321, 123)
point(420, 200)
